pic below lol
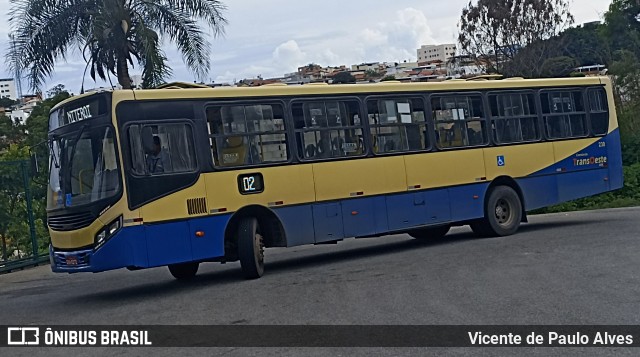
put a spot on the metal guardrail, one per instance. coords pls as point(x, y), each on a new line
point(20, 264)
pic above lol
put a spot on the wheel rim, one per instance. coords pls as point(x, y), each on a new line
point(503, 212)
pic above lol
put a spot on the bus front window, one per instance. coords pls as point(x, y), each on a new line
point(84, 168)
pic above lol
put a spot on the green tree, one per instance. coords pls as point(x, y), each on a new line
point(622, 27)
point(7, 102)
point(499, 29)
point(14, 229)
point(344, 77)
point(13, 212)
point(626, 77)
point(10, 132)
point(586, 44)
point(111, 33)
point(371, 74)
point(560, 66)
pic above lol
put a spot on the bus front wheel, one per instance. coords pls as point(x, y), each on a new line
point(250, 248)
point(184, 271)
point(430, 233)
point(503, 213)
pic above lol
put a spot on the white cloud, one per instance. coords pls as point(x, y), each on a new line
point(288, 55)
point(274, 37)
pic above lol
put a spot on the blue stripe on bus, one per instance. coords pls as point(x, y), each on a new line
point(368, 216)
point(610, 150)
point(615, 160)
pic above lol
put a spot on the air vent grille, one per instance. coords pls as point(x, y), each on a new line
point(72, 221)
point(197, 206)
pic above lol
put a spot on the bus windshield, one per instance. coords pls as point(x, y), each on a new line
point(83, 167)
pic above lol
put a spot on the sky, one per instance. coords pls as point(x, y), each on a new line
point(274, 37)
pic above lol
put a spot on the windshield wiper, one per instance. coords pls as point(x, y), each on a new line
point(73, 143)
point(56, 163)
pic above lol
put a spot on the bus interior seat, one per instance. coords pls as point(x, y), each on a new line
point(310, 151)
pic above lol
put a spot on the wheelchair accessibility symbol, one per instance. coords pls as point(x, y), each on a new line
point(501, 161)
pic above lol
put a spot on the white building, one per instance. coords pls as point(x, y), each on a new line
point(8, 88)
point(136, 81)
point(398, 69)
point(430, 53)
point(21, 113)
point(19, 116)
point(463, 67)
point(373, 66)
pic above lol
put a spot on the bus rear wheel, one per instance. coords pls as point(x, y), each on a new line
point(430, 233)
point(250, 248)
point(184, 271)
point(503, 213)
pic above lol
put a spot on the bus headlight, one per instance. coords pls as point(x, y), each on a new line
point(107, 232)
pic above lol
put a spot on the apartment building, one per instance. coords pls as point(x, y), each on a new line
point(435, 53)
point(8, 88)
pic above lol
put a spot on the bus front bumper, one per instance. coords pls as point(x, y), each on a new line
point(127, 248)
point(71, 262)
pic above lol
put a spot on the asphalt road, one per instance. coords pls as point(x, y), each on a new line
point(566, 269)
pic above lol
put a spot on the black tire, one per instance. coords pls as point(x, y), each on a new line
point(184, 271)
point(430, 233)
point(250, 248)
point(502, 214)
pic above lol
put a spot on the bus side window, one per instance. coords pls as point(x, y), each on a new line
point(460, 120)
point(161, 149)
point(564, 114)
point(397, 124)
point(244, 135)
point(514, 118)
point(328, 129)
point(599, 112)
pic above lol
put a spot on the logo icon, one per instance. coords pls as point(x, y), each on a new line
point(501, 161)
point(23, 336)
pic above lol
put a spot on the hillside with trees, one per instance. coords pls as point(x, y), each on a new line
point(531, 39)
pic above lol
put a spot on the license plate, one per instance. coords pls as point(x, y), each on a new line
point(71, 260)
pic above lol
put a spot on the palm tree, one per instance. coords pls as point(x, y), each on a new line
point(110, 34)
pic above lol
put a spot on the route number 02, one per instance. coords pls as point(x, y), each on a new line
point(250, 183)
point(247, 183)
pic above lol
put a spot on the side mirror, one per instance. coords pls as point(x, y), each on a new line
point(33, 153)
point(39, 160)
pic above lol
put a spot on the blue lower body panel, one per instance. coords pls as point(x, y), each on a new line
point(148, 246)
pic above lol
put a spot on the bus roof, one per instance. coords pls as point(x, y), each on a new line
point(191, 91)
point(377, 88)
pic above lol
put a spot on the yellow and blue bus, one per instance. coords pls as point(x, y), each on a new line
point(179, 176)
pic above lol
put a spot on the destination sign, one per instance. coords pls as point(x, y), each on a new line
point(81, 113)
point(78, 111)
